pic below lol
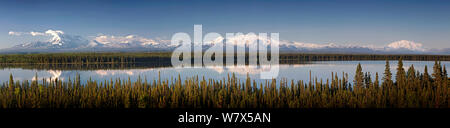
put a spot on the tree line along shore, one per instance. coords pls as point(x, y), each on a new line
point(114, 58)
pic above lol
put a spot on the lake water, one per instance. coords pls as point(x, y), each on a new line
point(319, 69)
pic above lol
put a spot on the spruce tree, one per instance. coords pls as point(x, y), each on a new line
point(376, 83)
point(437, 74)
point(367, 80)
point(411, 72)
point(387, 78)
point(401, 75)
point(411, 76)
point(426, 76)
point(359, 76)
point(11, 80)
point(444, 74)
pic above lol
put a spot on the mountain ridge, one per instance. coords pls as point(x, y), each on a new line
point(61, 42)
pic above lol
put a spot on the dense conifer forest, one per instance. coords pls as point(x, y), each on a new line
point(410, 89)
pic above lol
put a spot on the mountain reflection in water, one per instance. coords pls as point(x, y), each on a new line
point(319, 69)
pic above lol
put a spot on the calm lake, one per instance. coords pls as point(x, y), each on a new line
point(319, 69)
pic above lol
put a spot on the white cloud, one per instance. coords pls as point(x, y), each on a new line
point(14, 33)
point(37, 33)
point(33, 33)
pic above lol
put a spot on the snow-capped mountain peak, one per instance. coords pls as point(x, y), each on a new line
point(59, 41)
point(56, 37)
point(405, 45)
point(126, 41)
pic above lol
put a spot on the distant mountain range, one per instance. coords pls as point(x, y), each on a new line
point(60, 42)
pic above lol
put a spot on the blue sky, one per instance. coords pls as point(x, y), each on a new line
point(363, 22)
